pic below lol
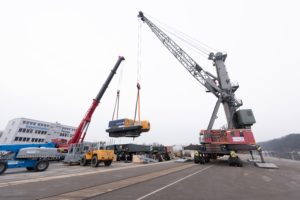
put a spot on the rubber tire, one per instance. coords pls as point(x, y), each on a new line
point(41, 165)
point(160, 159)
point(3, 167)
point(94, 161)
point(196, 159)
point(202, 160)
point(231, 161)
point(207, 158)
point(30, 168)
point(107, 163)
point(239, 163)
point(167, 157)
point(236, 161)
point(83, 161)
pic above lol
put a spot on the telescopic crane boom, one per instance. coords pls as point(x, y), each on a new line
point(80, 132)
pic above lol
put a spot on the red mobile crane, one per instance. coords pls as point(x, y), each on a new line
point(238, 136)
point(81, 130)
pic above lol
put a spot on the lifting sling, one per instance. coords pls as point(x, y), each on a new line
point(137, 105)
point(116, 106)
point(128, 127)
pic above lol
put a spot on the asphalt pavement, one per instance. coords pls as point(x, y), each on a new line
point(166, 180)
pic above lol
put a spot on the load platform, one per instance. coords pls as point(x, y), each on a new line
point(127, 128)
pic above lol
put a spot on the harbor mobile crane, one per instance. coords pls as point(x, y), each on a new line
point(238, 135)
point(78, 152)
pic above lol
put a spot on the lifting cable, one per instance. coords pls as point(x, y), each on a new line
point(117, 102)
point(139, 64)
point(137, 105)
point(116, 106)
point(198, 47)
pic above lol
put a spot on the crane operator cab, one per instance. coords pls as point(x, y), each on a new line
point(127, 128)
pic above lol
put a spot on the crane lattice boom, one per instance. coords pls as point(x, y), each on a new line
point(220, 86)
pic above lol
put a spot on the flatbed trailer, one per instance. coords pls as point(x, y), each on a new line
point(33, 157)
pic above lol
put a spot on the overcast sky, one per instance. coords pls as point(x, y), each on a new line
point(55, 56)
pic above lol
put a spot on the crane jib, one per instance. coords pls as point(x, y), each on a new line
point(81, 130)
point(219, 85)
point(191, 65)
point(109, 78)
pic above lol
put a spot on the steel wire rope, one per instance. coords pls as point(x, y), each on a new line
point(116, 107)
point(186, 41)
point(139, 52)
point(121, 76)
point(188, 45)
point(192, 41)
point(194, 49)
point(139, 66)
point(117, 102)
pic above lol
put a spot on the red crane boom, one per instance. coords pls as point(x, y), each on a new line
point(81, 130)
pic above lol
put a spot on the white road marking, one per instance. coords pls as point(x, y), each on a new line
point(39, 179)
point(266, 178)
point(155, 191)
point(108, 187)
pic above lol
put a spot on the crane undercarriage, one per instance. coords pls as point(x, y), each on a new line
point(218, 143)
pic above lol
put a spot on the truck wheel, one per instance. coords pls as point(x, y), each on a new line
point(235, 161)
point(83, 161)
point(3, 167)
point(107, 163)
point(202, 160)
point(41, 165)
point(95, 161)
point(239, 162)
point(30, 168)
point(207, 158)
point(196, 159)
point(167, 157)
point(231, 161)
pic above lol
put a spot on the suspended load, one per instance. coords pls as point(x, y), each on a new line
point(127, 128)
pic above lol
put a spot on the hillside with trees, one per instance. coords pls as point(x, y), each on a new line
point(286, 143)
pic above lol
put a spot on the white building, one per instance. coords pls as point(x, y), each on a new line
point(23, 130)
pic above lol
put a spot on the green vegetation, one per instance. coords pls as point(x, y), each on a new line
point(286, 143)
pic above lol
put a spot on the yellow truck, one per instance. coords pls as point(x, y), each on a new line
point(95, 157)
point(89, 153)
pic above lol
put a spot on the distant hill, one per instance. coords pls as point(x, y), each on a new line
point(286, 143)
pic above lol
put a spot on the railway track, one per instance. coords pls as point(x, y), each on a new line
point(109, 187)
point(166, 180)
